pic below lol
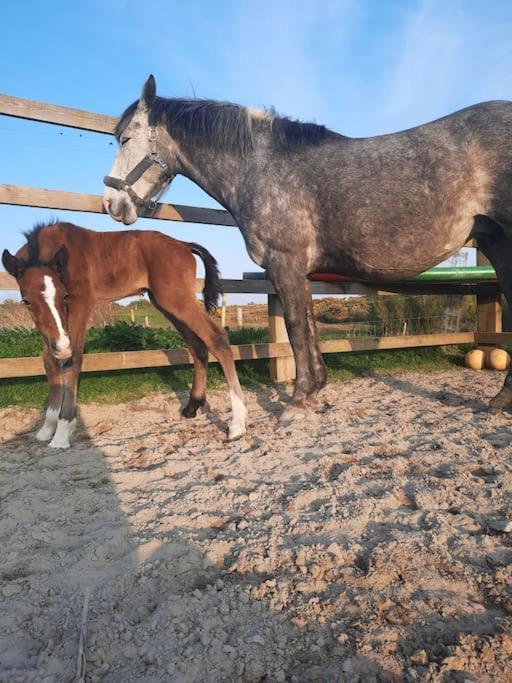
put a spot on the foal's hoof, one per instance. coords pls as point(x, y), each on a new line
point(292, 413)
point(59, 443)
point(45, 433)
point(190, 410)
point(236, 432)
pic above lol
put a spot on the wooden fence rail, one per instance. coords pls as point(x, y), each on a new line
point(278, 349)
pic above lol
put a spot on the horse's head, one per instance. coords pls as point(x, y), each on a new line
point(43, 291)
point(145, 164)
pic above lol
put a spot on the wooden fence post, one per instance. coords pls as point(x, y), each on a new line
point(281, 369)
point(488, 308)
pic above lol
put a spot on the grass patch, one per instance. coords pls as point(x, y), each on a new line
point(119, 386)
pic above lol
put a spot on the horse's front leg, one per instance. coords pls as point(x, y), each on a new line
point(70, 371)
point(53, 373)
point(66, 423)
point(289, 280)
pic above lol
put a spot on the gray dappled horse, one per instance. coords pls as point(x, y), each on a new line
point(307, 199)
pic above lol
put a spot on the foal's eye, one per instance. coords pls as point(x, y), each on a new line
point(123, 141)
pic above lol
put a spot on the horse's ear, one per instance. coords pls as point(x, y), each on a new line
point(13, 265)
point(148, 94)
point(59, 262)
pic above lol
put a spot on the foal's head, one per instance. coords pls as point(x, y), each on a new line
point(43, 291)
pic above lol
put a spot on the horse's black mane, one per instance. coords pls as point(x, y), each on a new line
point(226, 125)
point(32, 237)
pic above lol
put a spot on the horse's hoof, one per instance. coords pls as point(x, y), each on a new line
point(45, 433)
point(59, 443)
point(292, 413)
point(190, 410)
point(314, 403)
point(236, 432)
point(496, 407)
point(65, 429)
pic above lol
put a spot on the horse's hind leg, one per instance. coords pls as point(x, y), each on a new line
point(498, 249)
point(193, 317)
point(317, 362)
point(199, 354)
point(289, 280)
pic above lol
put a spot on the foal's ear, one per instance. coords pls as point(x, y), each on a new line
point(59, 262)
point(148, 94)
point(13, 265)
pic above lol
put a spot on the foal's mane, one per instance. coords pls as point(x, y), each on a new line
point(32, 236)
point(225, 125)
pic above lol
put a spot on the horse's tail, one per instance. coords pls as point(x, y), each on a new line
point(212, 286)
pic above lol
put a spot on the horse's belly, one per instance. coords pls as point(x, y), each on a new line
point(392, 257)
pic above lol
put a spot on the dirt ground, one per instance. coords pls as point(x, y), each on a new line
point(368, 543)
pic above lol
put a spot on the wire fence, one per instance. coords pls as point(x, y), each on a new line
point(450, 322)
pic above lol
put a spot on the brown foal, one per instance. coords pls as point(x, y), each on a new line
point(64, 270)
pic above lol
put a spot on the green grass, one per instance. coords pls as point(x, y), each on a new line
point(119, 386)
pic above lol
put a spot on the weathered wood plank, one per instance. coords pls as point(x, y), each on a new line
point(124, 360)
point(94, 362)
point(396, 342)
point(92, 203)
point(493, 338)
point(22, 108)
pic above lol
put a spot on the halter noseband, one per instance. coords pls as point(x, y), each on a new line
point(137, 172)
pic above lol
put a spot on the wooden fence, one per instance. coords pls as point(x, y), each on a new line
point(278, 349)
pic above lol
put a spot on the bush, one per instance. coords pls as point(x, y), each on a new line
point(123, 336)
point(20, 342)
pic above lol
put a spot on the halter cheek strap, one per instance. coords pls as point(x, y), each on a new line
point(137, 172)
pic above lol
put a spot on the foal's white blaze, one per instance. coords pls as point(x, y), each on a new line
point(64, 430)
point(237, 427)
point(50, 423)
point(49, 292)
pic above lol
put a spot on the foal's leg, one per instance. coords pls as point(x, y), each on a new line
point(53, 373)
point(499, 253)
point(66, 425)
point(199, 353)
point(216, 341)
point(289, 280)
point(188, 312)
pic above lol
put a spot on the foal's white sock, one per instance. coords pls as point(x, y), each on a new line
point(64, 430)
point(50, 423)
point(237, 427)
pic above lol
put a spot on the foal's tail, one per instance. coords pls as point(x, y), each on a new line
point(212, 286)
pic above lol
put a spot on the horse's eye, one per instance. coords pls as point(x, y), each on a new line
point(123, 141)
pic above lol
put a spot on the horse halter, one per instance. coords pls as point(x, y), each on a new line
point(137, 172)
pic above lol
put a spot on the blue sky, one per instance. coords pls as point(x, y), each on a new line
point(361, 67)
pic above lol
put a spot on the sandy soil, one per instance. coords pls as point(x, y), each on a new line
point(368, 543)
